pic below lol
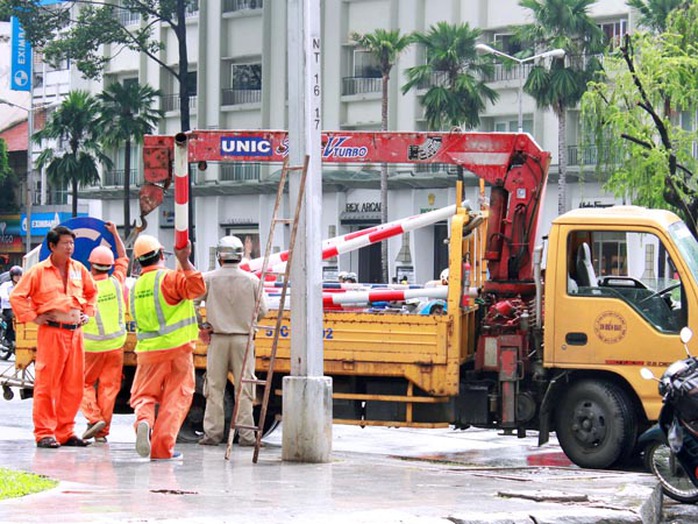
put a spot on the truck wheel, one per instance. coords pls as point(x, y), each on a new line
point(596, 425)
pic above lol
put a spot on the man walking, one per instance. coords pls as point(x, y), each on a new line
point(166, 333)
point(59, 295)
point(105, 335)
point(230, 302)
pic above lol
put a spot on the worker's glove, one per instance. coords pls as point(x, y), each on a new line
point(205, 331)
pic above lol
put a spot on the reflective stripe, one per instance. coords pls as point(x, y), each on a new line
point(96, 334)
point(171, 325)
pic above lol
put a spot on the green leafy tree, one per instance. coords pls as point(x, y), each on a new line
point(385, 46)
point(562, 24)
point(127, 115)
point(77, 30)
point(8, 181)
point(456, 75)
point(647, 113)
point(654, 13)
point(75, 126)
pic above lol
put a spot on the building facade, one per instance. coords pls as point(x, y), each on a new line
point(238, 75)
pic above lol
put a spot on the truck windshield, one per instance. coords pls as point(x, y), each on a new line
point(687, 246)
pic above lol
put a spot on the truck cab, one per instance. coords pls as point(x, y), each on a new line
point(620, 283)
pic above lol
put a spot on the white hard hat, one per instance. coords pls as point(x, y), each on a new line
point(444, 275)
point(230, 249)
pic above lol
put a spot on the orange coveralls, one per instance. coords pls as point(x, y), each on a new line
point(59, 363)
point(167, 377)
point(103, 369)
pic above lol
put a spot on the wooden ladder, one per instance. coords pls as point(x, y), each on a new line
point(267, 382)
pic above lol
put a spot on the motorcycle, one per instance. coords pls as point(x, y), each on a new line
point(671, 445)
point(7, 348)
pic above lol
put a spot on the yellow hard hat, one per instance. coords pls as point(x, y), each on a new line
point(144, 245)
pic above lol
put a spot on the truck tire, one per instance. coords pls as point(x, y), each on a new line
point(596, 425)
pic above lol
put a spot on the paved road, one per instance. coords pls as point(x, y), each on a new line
point(376, 475)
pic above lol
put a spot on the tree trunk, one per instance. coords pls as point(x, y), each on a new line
point(384, 180)
point(74, 182)
point(562, 159)
point(127, 189)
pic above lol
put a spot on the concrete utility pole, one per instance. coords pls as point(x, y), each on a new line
point(307, 394)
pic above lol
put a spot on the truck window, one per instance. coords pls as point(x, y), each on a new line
point(630, 266)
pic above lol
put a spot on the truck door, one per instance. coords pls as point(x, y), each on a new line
point(623, 302)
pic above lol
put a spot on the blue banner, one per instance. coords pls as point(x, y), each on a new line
point(89, 233)
point(21, 73)
point(43, 222)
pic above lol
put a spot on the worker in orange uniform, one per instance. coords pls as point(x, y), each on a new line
point(166, 332)
point(105, 335)
point(59, 295)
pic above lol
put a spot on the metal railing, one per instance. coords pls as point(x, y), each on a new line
point(591, 155)
point(232, 97)
point(115, 177)
point(238, 172)
point(354, 85)
point(231, 6)
point(503, 73)
point(171, 102)
point(436, 78)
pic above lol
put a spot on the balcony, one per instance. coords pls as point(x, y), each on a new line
point(591, 155)
point(127, 18)
point(507, 73)
point(233, 6)
point(234, 97)
point(171, 102)
point(355, 85)
point(115, 178)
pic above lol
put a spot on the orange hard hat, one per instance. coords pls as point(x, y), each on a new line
point(101, 256)
point(144, 245)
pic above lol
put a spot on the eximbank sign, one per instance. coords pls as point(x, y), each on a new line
point(43, 222)
point(21, 75)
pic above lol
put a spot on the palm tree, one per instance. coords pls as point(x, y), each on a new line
point(127, 115)
point(74, 125)
point(456, 75)
point(385, 46)
point(654, 13)
point(563, 24)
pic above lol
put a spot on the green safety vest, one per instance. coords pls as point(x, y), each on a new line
point(159, 325)
point(106, 330)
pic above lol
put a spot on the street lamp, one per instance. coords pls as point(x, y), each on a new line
point(553, 53)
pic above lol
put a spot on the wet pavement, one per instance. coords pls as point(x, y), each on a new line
point(384, 475)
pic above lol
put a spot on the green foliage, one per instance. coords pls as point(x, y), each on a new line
point(652, 80)
point(455, 75)
point(15, 484)
point(561, 24)
point(75, 125)
point(654, 13)
point(385, 45)
point(8, 181)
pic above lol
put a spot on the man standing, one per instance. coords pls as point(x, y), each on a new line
point(59, 295)
point(5, 290)
point(230, 298)
point(166, 333)
point(105, 335)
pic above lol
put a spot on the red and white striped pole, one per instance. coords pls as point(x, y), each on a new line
point(181, 191)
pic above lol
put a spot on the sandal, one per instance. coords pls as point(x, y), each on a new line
point(76, 442)
point(48, 442)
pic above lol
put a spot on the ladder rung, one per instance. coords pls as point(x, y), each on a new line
point(242, 426)
point(264, 326)
point(258, 381)
point(283, 220)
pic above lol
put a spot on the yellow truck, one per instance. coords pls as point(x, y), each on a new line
point(547, 338)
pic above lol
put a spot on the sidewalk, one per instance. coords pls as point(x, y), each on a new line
point(376, 475)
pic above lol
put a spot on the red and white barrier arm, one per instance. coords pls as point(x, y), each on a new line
point(382, 295)
point(352, 241)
